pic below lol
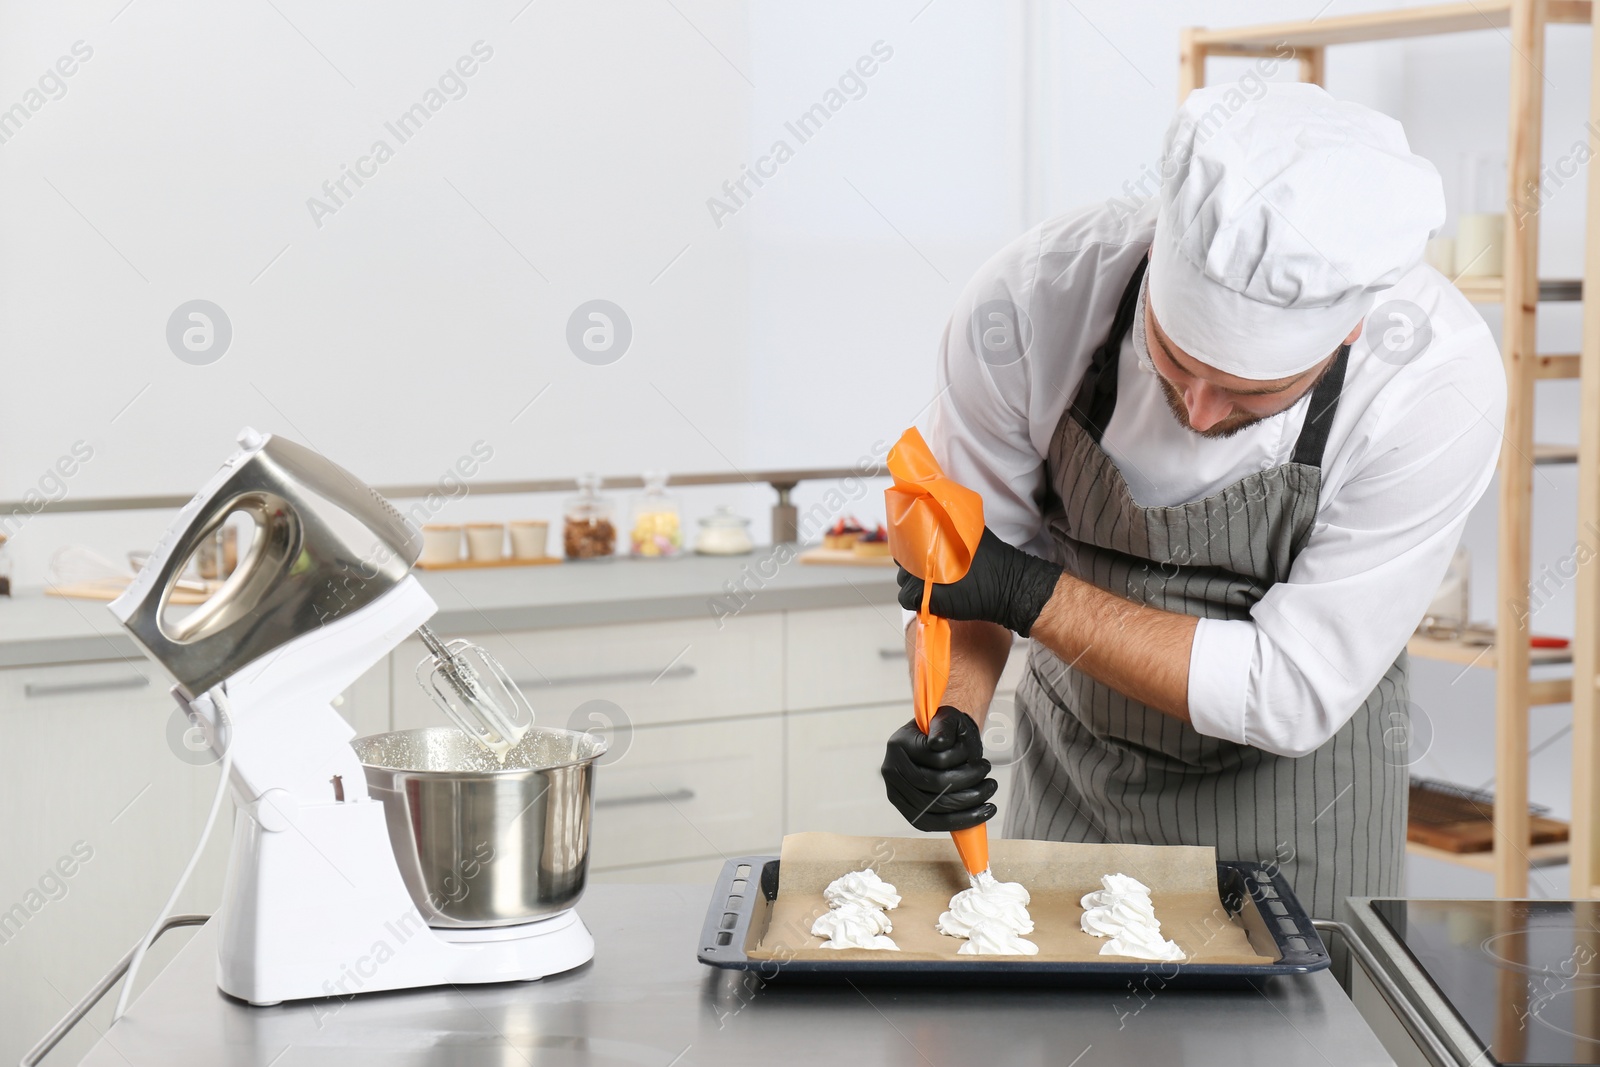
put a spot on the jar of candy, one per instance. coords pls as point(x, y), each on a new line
point(588, 531)
point(657, 532)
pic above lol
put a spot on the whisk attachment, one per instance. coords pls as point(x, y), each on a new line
point(474, 690)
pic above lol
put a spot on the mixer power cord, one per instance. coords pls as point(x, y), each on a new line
point(219, 698)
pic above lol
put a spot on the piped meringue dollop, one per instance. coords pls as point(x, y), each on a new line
point(856, 915)
point(1106, 920)
point(864, 888)
point(1122, 911)
point(992, 915)
point(989, 898)
point(851, 922)
point(1140, 943)
point(994, 937)
point(1124, 885)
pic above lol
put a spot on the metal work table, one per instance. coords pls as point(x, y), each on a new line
point(645, 1000)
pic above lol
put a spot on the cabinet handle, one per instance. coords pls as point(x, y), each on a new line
point(132, 681)
point(670, 796)
point(681, 670)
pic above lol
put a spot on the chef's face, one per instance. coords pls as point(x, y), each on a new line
point(1214, 404)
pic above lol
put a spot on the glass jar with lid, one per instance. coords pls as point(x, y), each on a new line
point(722, 533)
point(588, 531)
point(657, 531)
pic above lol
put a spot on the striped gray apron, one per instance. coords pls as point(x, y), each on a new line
point(1097, 766)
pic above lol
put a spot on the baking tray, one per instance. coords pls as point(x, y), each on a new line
point(1277, 926)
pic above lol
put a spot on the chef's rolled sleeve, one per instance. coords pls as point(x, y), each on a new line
point(1219, 677)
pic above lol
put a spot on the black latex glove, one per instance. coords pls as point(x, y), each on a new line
point(940, 781)
point(1004, 585)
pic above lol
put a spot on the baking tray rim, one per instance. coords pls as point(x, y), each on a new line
point(729, 953)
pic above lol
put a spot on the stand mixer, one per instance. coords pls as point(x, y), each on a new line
point(325, 895)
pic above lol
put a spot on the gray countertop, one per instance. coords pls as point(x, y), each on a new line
point(646, 1000)
point(36, 629)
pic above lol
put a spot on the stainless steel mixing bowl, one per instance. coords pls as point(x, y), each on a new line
point(480, 844)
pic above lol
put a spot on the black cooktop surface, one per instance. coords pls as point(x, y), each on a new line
point(1522, 975)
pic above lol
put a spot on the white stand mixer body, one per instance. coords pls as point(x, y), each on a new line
point(314, 904)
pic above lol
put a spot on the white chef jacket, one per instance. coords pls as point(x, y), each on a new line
point(1412, 448)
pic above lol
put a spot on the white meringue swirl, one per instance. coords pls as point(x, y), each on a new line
point(851, 922)
point(856, 915)
point(864, 888)
point(1122, 911)
point(1140, 943)
point(992, 915)
point(993, 937)
point(1106, 920)
point(1003, 902)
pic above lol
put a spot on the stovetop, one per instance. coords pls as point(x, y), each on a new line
point(1522, 975)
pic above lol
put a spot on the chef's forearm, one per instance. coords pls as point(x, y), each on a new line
point(978, 653)
point(1141, 652)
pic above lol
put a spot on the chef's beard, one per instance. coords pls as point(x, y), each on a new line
point(1224, 429)
point(1229, 426)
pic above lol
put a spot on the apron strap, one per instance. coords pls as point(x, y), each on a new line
point(1319, 417)
point(1096, 398)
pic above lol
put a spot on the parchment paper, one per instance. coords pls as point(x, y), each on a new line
point(927, 873)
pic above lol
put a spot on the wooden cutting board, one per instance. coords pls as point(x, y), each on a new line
point(1456, 823)
point(1478, 835)
point(845, 556)
point(108, 589)
point(483, 564)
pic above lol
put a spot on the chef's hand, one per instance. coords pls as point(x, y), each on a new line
point(940, 781)
point(1004, 585)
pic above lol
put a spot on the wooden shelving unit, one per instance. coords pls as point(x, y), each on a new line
point(1488, 290)
point(1585, 835)
point(1471, 655)
point(1552, 855)
point(1317, 33)
point(1519, 291)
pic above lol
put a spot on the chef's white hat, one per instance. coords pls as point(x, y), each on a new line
point(1280, 219)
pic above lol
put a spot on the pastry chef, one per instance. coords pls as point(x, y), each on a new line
point(1226, 445)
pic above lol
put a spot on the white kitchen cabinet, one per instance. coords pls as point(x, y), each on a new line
point(698, 872)
point(834, 783)
point(848, 656)
point(834, 780)
point(845, 656)
point(664, 793)
point(1016, 666)
point(103, 804)
point(649, 673)
point(1000, 747)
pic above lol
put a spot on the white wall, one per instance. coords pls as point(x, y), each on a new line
point(431, 307)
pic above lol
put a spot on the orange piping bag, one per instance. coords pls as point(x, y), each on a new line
point(934, 528)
